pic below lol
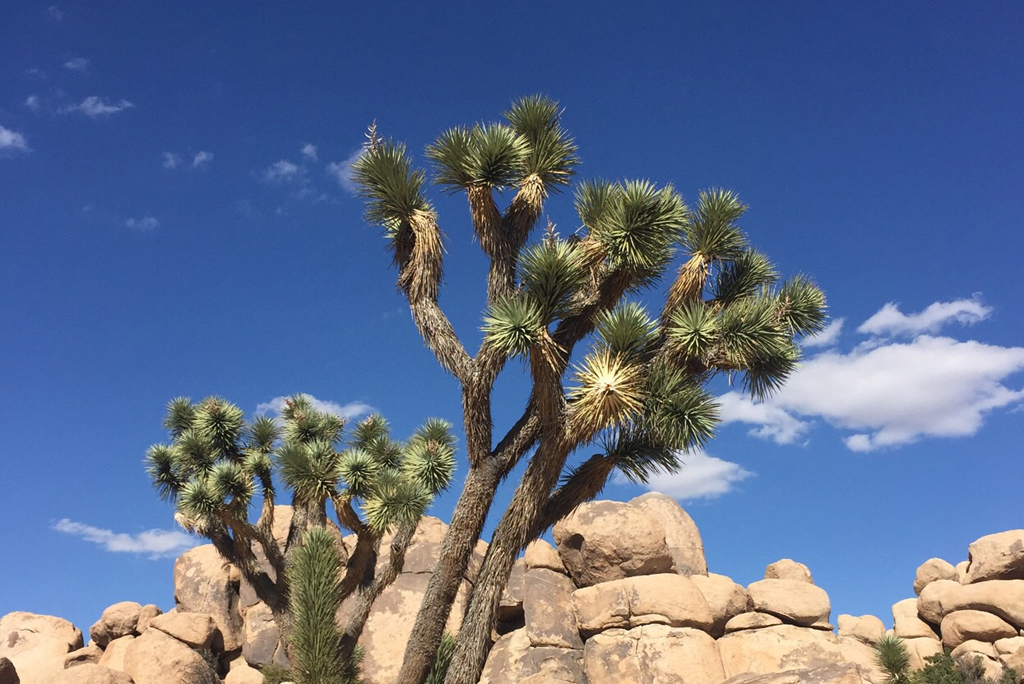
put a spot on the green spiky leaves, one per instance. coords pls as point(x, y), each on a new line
point(892, 656)
point(626, 330)
point(551, 272)
point(713, 234)
point(552, 152)
point(802, 306)
point(392, 188)
point(513, 325)
point(491, 155)
point(315, 599)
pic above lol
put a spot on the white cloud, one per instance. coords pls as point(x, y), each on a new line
point(283, 172)
point(309, 151)
point(171, 160)
point(53, 11)
point(154, 543)
point(94, 106)
point(828, 336)
point(890, 321)
point(351, 410)
point(202, 158)
point(145, 223)
point(890, 394)
point(342, 171)
point(32, 102)
point(79, 64)
point(701, 476)
point(12, 141)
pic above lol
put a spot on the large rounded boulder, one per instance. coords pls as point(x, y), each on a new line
point(204, 582)
point(997, 556)
point(37, 644)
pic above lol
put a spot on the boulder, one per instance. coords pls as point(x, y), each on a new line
point(725, 598)
point(155, 658)
point(863, 655)
point(788, 569)
point(547, 606)
point(997, 556)
point(974, 647)
point(931, 570)
point(146, 615)
point(603, 541)
point(194, 629)
point(540, 554)
point(86, 654)
point(88, 673)
point(8, 675)
point(37, 644)
point(510, 607)
point(653, 653)
point(907, 624)
point(681, 533)
point(512, 660)
point(777, 649)
point(667, 599)
point(920, 649)
point(239, 672)
point(113, 654)
point(961, 571)
point(117, 621)
point(867, 628)
point(792, 601)
point(1004, 598)
point(1009, 645)
point(751, 620)
point(846, 673)
point(204, 582)
point(262, 638)
point(965, 625)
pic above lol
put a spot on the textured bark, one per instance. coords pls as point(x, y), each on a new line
point(463, 533)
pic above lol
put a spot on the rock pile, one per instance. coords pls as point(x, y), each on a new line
point(625, 598)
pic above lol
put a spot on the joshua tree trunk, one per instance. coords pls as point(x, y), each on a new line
point(466, 525)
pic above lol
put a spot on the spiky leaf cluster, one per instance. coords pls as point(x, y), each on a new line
point(315, 599)
point(216, 462)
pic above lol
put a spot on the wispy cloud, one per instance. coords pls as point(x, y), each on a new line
point(12, 142)
point(152, 543)
point(54, 12)
point(701, 476)
point(283, 172)
point(890, 321)
point(309, 151)
point(349, 411)
point(171, 160)
point(32, 102)
point(201, 159)
point(342, 172)
point(828, 336)
point(94, 107)
point(142, 224)
point(79, 64)
point(889, 393)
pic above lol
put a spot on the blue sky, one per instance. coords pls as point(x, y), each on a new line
point(176, 220)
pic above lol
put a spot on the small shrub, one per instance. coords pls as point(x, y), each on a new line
point(275, 674)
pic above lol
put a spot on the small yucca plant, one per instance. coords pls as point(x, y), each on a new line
point(892, 656)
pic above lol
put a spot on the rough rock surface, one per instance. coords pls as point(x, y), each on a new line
point(116, 621)
point(155, 658)
point(547, 607)
point(1004, 598)
point(89, 673)
point(194, 629)
point(777, 649)
point(832, 674)
point(512, 661)
point(146, 616)
point(653, 653)
point(86, 654)
point(262, 638)
point(965, 625)
point(793, 601)
point(751, 620)
point(961, 571)
point(865, 628)
point(206, 583)
point(510, 608)
point(239, 672)
point(603, 541)
point(113, 654)
point(906, 622)
point(788, 569)
point(681, 533)
point(540, 554)
point(8, 675)
point(920, 649)
point(37, 644)
point(725, 598)
point(667, 599)
point(997, 556)
point(932, 570)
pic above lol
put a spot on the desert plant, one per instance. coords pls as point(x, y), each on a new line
point(892, 656)
point(275, 674)
point(217, 463)
point(637, 396)
point(442, 660)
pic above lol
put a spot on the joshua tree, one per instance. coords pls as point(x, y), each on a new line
point(217, 461)
point(636, 397)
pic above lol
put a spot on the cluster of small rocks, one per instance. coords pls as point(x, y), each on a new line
point(624, 597)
